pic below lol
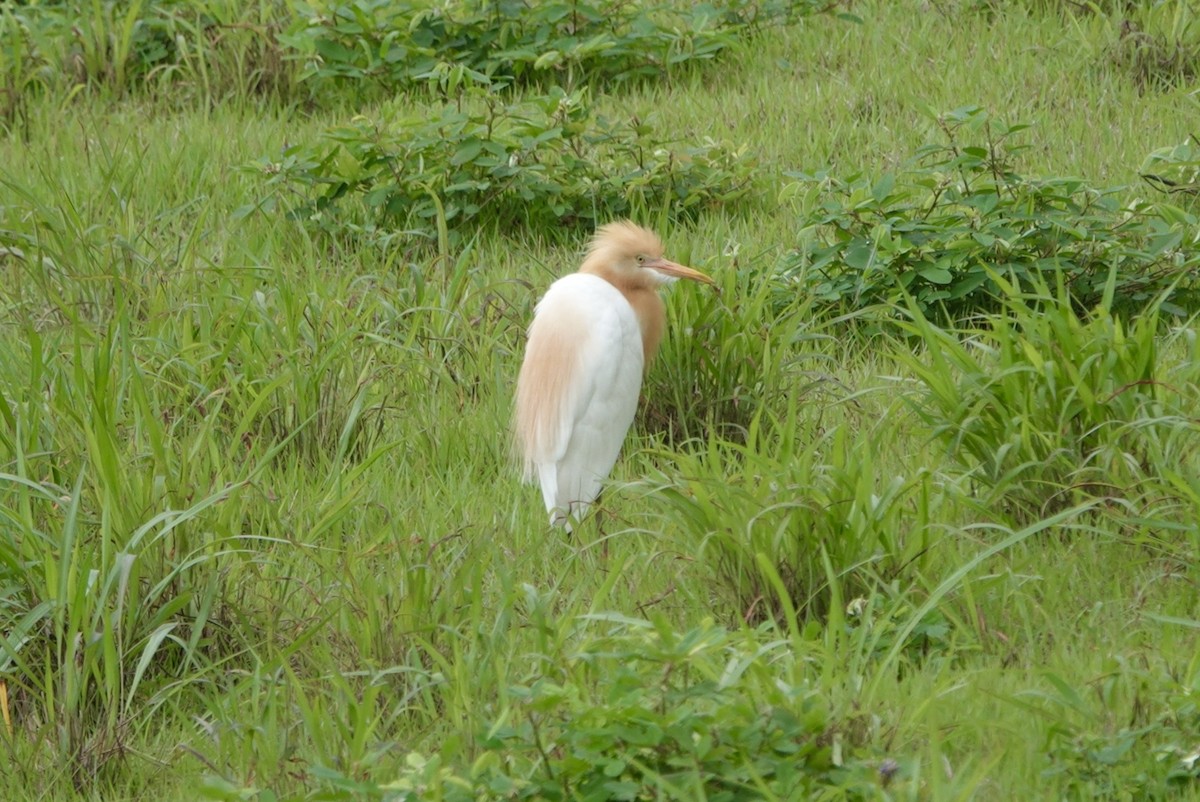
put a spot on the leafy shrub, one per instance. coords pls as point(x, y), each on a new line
point(958, 214)
point(642, 712)
point(653, 710)
point(539, 163)
point(397, 44)
point(225, 46)
point(1034, 402)
point(1174, 169)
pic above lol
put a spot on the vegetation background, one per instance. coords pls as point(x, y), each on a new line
point(912, 507)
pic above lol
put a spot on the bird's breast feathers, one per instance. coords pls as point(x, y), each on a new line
point(584, 346)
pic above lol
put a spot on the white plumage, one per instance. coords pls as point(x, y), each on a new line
point(589, 317)
point(592, 334)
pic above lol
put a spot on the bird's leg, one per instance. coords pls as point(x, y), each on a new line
point(560, 518)
point(600, 524)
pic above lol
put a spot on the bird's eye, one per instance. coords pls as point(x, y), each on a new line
point(641, 259)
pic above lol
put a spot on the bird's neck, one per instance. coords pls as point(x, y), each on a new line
point(642, 294)
point(652, 317)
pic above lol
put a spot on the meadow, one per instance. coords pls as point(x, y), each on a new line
point(911, 509)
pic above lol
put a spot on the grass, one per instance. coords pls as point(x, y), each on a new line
point(261, 538)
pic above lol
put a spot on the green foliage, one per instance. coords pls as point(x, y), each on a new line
point(259, 538)
point(1155, 42)
point(536, 164)
point(132, 434)
point(729, 355)
point(21, 65)
point(1096, 757)
point(222, 48)
point(887, 624)
point(1158, 43)
point(107, 587)
point(1035, 403)
point(398, 44)
point(1174, 169)
point(640, 712)
point(105, 42)
point(793, 519)
point(204, 50)
point(646, 711)
point(959, 214)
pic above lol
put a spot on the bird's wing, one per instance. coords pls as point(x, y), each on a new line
point(578, 384)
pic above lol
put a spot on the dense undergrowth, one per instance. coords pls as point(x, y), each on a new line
point(911, 508)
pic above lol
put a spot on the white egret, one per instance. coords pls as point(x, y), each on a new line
point(593, 334)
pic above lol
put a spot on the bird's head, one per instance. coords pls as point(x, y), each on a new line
point(626, 253)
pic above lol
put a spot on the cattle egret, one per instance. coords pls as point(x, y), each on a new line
point(593, 334)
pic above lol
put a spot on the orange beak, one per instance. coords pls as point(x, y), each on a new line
point(679, 271)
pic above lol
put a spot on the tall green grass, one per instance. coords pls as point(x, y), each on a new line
point(260, 536)
point(1043, 405)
